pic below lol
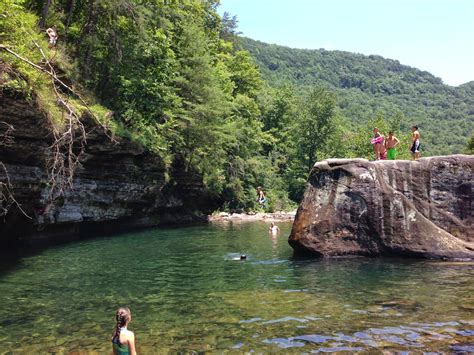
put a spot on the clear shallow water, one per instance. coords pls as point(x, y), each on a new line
point(187, 294)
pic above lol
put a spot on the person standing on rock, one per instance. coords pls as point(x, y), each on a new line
point(415, 147)
point(378, 143)
point(390, 143)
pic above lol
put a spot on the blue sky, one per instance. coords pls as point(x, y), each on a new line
point(432, 35)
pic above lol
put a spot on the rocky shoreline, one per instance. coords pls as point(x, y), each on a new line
point(280, 216)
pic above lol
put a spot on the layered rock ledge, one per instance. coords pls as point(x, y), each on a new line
point(119, 185)
point(421, 209)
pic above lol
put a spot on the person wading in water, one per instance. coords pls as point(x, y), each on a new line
point(273, 229)
point(123, 340)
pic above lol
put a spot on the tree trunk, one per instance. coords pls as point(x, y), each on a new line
point(70, 11)
point(89, 24)
point(44, 13)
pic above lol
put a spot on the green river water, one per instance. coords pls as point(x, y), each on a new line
point(188, 295)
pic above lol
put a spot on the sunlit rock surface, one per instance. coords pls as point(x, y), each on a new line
point(401, 208)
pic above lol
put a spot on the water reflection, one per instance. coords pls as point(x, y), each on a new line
point(187, 294)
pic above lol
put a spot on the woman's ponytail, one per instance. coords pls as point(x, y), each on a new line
point(122, 317)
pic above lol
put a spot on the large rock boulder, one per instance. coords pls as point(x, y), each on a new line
point(395, 208)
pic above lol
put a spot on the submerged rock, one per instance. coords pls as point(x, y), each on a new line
point(400, 208)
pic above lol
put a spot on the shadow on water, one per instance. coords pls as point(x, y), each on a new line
point(15, 250)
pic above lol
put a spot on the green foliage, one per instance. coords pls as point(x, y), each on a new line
point(173, 76)
point(470, 145)
point(19, 32)
point(245, 74)
point(368, 85)
point(317, 132)
point(173, 80)
point(315, 125)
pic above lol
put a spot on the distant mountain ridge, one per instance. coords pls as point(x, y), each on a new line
point(368, 85)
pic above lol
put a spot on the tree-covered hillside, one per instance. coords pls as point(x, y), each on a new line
point(172, 75)
point(367, 86)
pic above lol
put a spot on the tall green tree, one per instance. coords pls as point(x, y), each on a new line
point(315, 125)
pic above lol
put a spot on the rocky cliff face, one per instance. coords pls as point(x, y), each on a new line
point(401, 208)
point(118, 184)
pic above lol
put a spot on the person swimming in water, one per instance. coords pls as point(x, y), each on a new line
point(241, 257)
point(123, 340)
point(273, 229)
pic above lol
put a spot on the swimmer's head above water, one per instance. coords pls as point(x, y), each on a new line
point(241, 257)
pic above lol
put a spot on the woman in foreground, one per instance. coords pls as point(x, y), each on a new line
point(123, 340)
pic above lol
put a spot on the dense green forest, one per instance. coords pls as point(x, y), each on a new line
point(368, 86)
point(175, 76)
